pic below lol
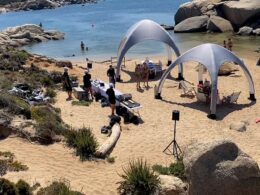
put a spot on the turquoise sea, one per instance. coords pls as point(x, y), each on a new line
point(102, 25)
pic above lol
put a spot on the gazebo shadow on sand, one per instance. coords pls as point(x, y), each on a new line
point(223, 109)
point(133, 77)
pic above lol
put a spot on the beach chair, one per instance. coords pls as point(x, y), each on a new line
point(189, 91)
point(231, 98)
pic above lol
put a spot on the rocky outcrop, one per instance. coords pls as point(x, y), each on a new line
point(171, 185)
point(246, 30)
point(241, 12)
point(256, 32)
point(220, 168)
point(26, 34)
point(225, 15)
point(193, 24)
point(218, 24)
point(39, 4)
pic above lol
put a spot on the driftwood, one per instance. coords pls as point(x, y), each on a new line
point(108, 145)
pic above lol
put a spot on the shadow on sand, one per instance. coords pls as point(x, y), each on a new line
point(222, 110)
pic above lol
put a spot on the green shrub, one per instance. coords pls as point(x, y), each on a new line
point(22, 56)
point(17, 166)
point(50, 92)
point(81, 103)
point(7, 187)
point(177, 169)
point(111, 159)
point(138, 179)
point(15, 105)
point(49, 124)
point(83, 141)
point(23, 188)
point(58, 188)
point(3, 167)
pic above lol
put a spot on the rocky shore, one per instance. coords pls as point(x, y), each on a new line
point(26, 34)
point(18, 5)
point(241, 16)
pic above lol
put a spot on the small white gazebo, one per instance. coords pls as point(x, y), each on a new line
point(142, 31)
point(212, 56)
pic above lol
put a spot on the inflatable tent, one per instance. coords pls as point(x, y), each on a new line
point(142, 31)
point(212, 56)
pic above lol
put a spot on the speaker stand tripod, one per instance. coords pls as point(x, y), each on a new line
point(176, 150)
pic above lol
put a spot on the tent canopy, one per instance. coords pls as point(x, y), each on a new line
point(212, 56)
point(142, 31)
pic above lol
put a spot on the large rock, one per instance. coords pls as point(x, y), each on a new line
point(194, 8)
point(227, 69)
point(218, 24)
point(171, 185)
point(193, 24)
point(32, 28)
point(220, 168)
point(256, 31)
point(246, 30)
point(21, 35)
point(54, 34)
point(241, 12)
point(238, 126)
point(39, 4)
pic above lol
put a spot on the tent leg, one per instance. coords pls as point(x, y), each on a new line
point(212, 116)
point(180, 77)
point(252, 97)
point(158, 96)
point(118, 79)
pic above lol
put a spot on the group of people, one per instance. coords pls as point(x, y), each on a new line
point(228, 44)
point(142, 74)
point(82, 46)
point(88, 87)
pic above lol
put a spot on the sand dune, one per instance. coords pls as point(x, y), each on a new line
point(146, 140)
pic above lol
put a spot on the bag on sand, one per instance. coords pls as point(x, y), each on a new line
point(114, 120)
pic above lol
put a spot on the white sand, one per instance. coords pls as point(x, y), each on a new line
point(147, 140)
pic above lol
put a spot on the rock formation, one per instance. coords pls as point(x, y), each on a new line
point(224, 15)
point(193, 24)
point(26, 34)
point(220, 168)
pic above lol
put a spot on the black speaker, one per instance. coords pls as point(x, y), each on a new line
point(175, 115)
point(89, 65)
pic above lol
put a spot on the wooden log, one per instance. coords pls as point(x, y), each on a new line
point(107, 146)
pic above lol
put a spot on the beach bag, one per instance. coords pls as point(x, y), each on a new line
point(114, 120)
point(135, 120)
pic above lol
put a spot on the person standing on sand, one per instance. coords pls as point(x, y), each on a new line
point(67, 83)
point(111, 98)
point(230, 44)
point(224, 44)
point(87, 83)
point(138, 76)
point(146, 72)
point(111, 75)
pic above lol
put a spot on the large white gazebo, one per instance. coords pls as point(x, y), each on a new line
point(142, 31)
point(212, 56)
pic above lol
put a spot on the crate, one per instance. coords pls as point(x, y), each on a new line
point(79, 93)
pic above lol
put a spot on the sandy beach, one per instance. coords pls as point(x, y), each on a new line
point(146, 140)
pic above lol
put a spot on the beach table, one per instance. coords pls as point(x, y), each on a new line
point(101, 87)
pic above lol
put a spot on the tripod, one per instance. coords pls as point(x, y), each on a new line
point(176, 148)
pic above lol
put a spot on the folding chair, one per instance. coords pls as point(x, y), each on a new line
point(231, 98)
point(189, 91)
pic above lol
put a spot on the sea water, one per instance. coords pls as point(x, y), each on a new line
point(102, 25)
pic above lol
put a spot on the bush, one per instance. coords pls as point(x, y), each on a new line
point(177, 169)
point(111, 159)
point(138, 179)
point(17, 166)
point(49, 124)
point(23, 188)
point(83, 141)
point(22, 56)
point(15, 105)
point(7, 187)
point(3, 167)
point(81, 103)
point(59, 188)
point(50, 92)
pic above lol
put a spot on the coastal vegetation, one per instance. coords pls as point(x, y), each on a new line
point(139, 179)
point(177, 169)
point(7, 163)
point(83, 141)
